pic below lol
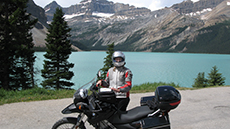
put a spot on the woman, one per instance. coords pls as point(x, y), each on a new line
point(119, 79)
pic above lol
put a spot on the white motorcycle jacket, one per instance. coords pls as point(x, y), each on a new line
point(119, 78)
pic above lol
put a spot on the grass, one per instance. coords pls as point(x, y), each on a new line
point(38, 94)
point(150, 87)
point(35, 94)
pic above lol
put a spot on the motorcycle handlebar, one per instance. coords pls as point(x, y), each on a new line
point(94, 87)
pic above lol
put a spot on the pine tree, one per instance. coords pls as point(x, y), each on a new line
point(215, 78)
point(24, 64)
point(56, 67)
point(6, 43)
point(200, 81)
point(17, 57)
point(108, 63)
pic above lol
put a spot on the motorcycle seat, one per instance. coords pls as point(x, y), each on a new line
point(131, 115)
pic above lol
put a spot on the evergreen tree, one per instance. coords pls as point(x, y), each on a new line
point(215, 78)
point(200, 81)
point(24, 64)
point(56, 67)
point(108, 63)
point(6, 43)
point(16, 57)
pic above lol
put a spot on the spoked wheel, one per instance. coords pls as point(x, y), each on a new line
point(68, 123)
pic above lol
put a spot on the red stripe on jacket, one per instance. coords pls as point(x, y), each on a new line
point(128, 83)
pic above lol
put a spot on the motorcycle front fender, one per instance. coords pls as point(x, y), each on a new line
point(69, 120)
point(71, 109)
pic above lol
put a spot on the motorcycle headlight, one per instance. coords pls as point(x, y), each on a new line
point(80, 95)
point(83, 93)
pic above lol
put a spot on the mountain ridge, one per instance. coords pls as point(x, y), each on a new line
point(97, 23)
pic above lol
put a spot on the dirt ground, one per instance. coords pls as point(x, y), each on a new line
point(199, 109)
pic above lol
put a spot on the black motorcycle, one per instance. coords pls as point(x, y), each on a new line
point(99, 107)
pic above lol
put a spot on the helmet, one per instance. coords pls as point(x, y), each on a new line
point(118, 54)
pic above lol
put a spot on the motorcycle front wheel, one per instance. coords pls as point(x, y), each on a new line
point(68, 123)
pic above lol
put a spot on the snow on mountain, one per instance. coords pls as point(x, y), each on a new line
point(199, 12)
point(73, 15)
point(194, 1)
point(228, 3)
point(105, 15)
point(86, 2)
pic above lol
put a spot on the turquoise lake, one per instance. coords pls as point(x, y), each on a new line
point(180, 68)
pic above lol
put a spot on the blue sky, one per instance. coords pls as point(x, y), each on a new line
point(151, 4)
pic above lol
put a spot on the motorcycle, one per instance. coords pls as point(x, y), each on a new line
point(99, 107)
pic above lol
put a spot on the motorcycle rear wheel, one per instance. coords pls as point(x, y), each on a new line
point(67, 123)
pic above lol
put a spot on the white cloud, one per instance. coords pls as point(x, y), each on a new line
point(155, 5)
point(63, 3)
point(136, 3)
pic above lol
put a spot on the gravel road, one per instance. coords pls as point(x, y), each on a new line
point(199, 109)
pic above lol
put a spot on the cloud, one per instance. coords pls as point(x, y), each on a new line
point(159, 4)
point(136, 3)
point(63, 3)
point(150, 4)
point(155, 5)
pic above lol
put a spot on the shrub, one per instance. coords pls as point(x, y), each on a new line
point(214, 79)
point(200, 81)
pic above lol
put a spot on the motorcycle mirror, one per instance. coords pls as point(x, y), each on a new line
point(99, 73)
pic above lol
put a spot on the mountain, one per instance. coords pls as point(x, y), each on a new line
point(37, 12)
point(40, 30)
point(92, 8)
point(189, 6)
point(50, 10)
point(183, 27)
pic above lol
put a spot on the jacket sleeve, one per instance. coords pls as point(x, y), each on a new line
point(128, 82)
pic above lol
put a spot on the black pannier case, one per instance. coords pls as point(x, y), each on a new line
point(107, 96)
point(167, 97)
point(156, 123)
point(160, 122)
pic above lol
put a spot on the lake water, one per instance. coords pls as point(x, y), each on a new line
point(180, 68)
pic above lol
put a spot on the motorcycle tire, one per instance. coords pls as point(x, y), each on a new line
point(67, 123)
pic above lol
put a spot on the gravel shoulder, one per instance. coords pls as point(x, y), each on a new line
point(199, 109)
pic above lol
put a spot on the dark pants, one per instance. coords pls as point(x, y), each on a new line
point(122, 103)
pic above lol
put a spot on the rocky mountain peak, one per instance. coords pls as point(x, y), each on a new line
point(50, 9)
point(87, 8)
point(53, 4)
point(189, 6)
